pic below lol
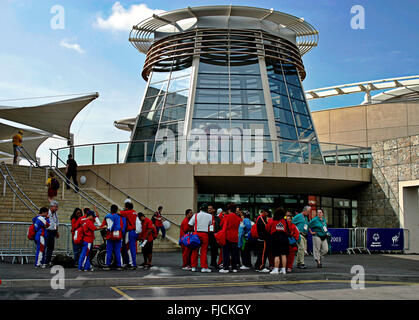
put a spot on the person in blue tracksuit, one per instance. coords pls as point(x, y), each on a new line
point(41, 222)
point(112, 222)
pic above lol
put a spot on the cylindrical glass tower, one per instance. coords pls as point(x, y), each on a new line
point(228, 68)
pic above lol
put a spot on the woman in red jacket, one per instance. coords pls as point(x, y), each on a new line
point(75, 223)
point(230, 224)
point(292, 248)
point(186, 252)
point(278, 228)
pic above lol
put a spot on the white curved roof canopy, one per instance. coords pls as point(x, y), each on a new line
point(55, 117)
point(144, 34)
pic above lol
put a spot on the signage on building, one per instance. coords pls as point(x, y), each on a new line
point(385, 239)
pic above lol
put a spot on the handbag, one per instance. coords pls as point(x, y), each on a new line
point(220, 237)
point(291, 240)
point(191, 239)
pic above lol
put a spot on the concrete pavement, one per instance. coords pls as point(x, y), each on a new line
point(166, 270)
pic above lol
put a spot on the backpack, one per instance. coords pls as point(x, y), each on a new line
point(31, 232)
point(55, 185)
point(138, 226)
point(254, 230)
point(78, 235)
point(115, 233)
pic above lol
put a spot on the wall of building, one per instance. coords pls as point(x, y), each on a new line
point(395, 161)
point(364, 125)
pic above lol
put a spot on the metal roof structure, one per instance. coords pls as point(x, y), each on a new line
point(400, 86)
point(51, 119)
point(145, 33)
point(55, 117)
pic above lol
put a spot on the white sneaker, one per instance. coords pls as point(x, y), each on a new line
point(266, 270)
point(275, 271)
point(187, 268)
point(234, 270)
point(193, 269)
point(283, 271)
point(244, 268)
point(205, 270)
point(224, 271)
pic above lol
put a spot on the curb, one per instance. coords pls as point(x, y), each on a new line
point(138, 281)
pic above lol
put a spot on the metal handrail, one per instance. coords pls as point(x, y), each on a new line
point(28, 157)
point(14, 191)
point(153, 140)
point(59, 174)
point(18, 187)
point(83, 194)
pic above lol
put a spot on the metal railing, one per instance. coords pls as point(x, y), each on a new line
point(66, 181)
point(15, 243)
point(15, 192)
point(276, 151)
point(9, 174)
point(358, 241)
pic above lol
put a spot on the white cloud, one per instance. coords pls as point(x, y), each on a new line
point(123, 19)
point(72, 46)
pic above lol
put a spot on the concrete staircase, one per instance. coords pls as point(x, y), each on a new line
point(32, 182)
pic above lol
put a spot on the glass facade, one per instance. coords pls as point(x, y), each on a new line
point(339, 212)
point(164, 106)
point(292, 116)
point(228, 96)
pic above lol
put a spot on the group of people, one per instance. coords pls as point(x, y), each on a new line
point(230, 235)
point(121, 230)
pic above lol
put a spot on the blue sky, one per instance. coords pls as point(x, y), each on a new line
point(92, 52)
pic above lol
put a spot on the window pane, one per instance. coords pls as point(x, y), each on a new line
point(179, 84)
point(156, 88)
point(295, 92)
point(286, 131)
point(299, 106)
point(280, 101)
point(159, 76)
point(212, 96)
point(291, 74)
point(245, 82)
point(303, 121)
point(248, 112)
point(277, 87)
point(152, 103)
point(247, 97)
point(174, 113)
point(283, 116)
point(246, 68)
point(149, 118)
point(212, 81)
point(180, 97)
point(304, 134)
point(219, 68)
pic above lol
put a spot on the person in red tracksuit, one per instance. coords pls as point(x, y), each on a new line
point(292, 249)
point(186, 252)
point(131, 237)
point(230, 224)
point(146, 238)
point(88, 237)
point(279, 229)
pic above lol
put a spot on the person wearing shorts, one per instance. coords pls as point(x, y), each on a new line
point(278, 228)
